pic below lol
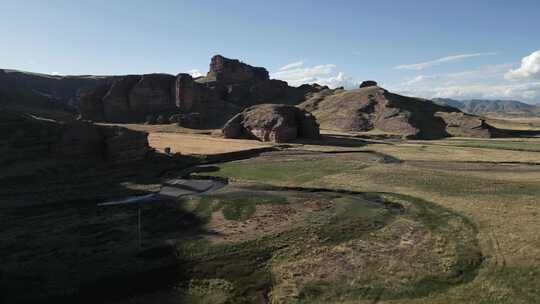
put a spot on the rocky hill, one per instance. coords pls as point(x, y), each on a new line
point(46, 161)
point(26, 138)
point(373, 108)
point(486, 106)
point(229, 86)
point(19, 88)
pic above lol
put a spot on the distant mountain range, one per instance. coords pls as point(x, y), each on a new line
point(486, 106)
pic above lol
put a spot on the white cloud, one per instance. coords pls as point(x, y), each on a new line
point(419, 79)
point(340, 80)
point(195, 73)
point(485, 73)
point(55, 73)
point(292, 65)
point(427, 64)
point(526, 91)
point(529, 69)
point(486, 82)
point(325, 74)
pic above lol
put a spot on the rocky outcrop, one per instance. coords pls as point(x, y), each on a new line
point(27, 89)
point(232, 71)
point(229, 87)
point(466, 125)
point(121, 145)
point(191, 96)
point(188, 93)
point(243, 85)
point(129, 98)
point(272, 122)
point(152, 94)
point(25, 138)
point(367, 83)
point(373, 108)
point(116, 105)
point(189, 120)
point(91, 102)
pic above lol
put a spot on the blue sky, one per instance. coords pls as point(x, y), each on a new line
point(426, 48)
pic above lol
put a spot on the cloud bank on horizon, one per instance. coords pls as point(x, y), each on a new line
point(296, 73)
point(498, 81)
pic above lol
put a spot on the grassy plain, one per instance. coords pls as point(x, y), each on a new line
point(347, 219)
point(502, 201)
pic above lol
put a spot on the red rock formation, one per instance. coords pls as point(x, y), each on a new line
point(123, 145)
point(44, 91)
point(116, 105)
point(91, 102)
point(230, 86)
point(191, 96)
point(31, 139)
point(229, 71)
point(152, 94)
point(272, 122)
point(186, 92)
point(368, 83)
point(466, 125)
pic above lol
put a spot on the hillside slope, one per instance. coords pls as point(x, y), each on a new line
point(486, 106)
point(373, 107)
point(20, 88)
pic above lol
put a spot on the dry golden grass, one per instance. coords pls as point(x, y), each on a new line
point(200, 144)
point(506, 220)
point(191, 141)
point(436, 150)
point(503, 206)
point(515, 123)
point(168, 128)
point(431, 152)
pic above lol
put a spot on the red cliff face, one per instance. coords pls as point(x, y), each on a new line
point(128, 98)
point(152, 94)
point(229, 86)
point(191, 96)
point(116, 105)
point(232, 71)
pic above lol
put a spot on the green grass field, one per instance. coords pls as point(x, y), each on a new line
point(300, 227)
point(503, 145)
point(502, 211)
point(326, 244)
